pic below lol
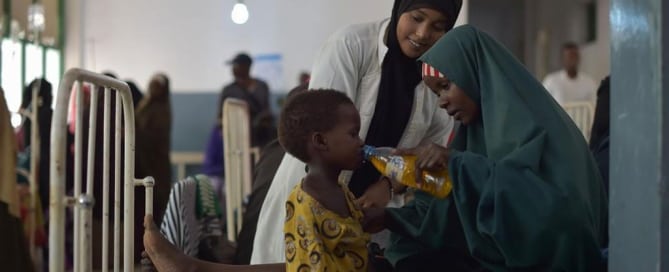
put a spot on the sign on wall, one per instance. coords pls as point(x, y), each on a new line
point(269, 67)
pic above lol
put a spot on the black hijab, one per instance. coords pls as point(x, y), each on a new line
point(599, 136)
point(44, 111)
point(44, 115)
point(600, 124)
point(399, 77)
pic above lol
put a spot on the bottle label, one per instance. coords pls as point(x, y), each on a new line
point(395, 167)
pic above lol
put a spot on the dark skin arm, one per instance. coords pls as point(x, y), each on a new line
point(375, 219)
point(377, 195)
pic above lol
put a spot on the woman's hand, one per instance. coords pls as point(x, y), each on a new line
point(377, 195)
point(429, 157)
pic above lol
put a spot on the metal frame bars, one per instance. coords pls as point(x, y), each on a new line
point(83, 203)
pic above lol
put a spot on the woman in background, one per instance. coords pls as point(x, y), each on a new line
point(154, 124)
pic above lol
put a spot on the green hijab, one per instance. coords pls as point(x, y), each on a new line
point(527, 193)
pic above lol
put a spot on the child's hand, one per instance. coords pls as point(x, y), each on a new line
point(374, 220)
point(377, 195)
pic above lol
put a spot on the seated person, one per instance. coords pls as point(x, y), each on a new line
point(527, 195)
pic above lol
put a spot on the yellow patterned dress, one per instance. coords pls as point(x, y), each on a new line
point(318, 239)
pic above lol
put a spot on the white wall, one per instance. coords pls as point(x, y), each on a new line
point(502, 19)
point(564, 21)
point(190, 40)
point(596, 57)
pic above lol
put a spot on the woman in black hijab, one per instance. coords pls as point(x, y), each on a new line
point(400, 74)
point(599, 136)
point(44, 114)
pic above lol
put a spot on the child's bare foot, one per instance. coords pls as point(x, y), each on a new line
point(165, 257)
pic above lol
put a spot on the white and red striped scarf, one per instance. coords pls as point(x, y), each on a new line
point(431, 71)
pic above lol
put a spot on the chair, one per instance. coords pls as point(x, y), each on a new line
point(237, 157)
point(582, 114)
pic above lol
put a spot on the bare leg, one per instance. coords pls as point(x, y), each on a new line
point(167, 258)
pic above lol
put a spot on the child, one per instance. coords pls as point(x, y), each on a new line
point(322, 228)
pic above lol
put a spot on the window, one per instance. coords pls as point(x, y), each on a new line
point(34, 62)
point(53, 72)
point(11, 76)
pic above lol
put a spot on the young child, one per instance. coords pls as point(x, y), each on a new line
point(323, 230)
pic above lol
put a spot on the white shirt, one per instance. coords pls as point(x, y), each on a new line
point(349, 61)
point(567, 90)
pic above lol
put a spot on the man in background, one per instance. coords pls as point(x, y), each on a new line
point(569, 84)
point(253, 91)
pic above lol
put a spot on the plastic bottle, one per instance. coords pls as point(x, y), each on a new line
point(402, 169)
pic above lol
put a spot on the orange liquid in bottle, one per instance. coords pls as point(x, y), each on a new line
point(402, 169)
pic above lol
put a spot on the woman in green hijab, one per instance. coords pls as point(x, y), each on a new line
point(527, 195)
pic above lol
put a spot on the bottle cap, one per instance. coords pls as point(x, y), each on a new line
point(367, 151)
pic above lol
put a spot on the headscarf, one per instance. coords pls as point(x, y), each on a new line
point(599, 135)
point(527, 194)
point(399, 77)
point(44, 111)
point(450, 8)
point(44, 115)
point(153, 140)
point(136, 93)
point(158, 92)
point(45, 93)
point(600, 124)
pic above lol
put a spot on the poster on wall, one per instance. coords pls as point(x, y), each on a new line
point(269, 68)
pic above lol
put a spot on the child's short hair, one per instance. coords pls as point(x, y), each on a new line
point(306, 113)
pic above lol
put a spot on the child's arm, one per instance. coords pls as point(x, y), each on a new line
point(377, 195)
point(374, 220)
